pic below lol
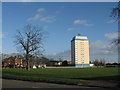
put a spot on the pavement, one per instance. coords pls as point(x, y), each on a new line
point(27, 84)
point(104, 84)
point(7, 83)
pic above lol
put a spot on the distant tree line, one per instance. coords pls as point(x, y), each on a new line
point(101, 62)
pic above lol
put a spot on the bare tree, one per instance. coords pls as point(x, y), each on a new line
point(116, 15)
point(96, 62)
point(102, 62)
point(30, 41)
point(116, 12)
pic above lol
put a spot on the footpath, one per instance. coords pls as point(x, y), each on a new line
point(103, 84)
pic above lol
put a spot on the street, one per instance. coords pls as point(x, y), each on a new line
point(26, 84)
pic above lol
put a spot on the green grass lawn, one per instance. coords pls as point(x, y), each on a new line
point(62, 75)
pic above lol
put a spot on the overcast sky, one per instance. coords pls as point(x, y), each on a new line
point(62, 21)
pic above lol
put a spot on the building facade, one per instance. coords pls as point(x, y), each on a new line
point(80, 51)
point(14, 62)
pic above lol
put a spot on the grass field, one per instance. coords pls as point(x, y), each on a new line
point(62, 75)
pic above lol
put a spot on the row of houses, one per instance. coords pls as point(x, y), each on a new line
point(14, 62)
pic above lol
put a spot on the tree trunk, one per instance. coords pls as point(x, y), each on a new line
point(27, 67)
point(27, 60)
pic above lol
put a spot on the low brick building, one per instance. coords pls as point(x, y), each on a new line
point(14, 62)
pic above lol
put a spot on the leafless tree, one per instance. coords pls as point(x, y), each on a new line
point(102, 62)
point(30, 41)
point(116, 15)
point(116, 12)
point(96, 62)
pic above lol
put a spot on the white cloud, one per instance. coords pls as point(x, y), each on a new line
point(1, 35)
point(71, 29)
point(112, 35)
point(99, 45)
point(40, 17)
point(35, 17)
point(48, 19)
point(40, 10)
point(102, 52)
point(100, 48)
point(65, 55)
point(111, 21)
point(45, 27)
point(82, 22)
point(54, 54)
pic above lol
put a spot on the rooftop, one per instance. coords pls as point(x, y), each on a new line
point(79, 37)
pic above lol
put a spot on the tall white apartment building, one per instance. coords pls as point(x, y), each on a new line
point(80, 51)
